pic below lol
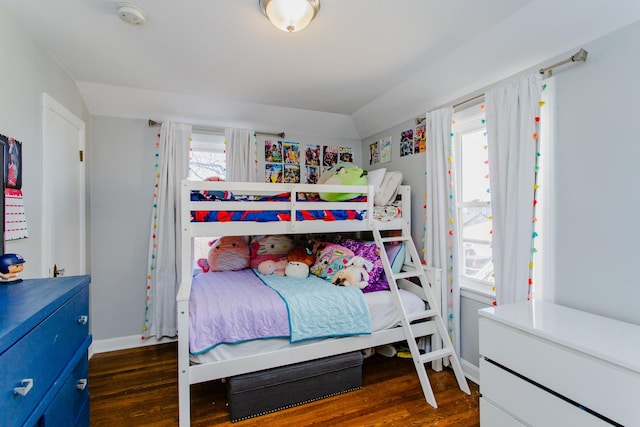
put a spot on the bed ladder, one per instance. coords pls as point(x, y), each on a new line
point(413, 269)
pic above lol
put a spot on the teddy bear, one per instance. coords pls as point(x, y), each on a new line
point(356, 273)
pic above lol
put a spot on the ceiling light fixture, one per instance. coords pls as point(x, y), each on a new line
point(290, 15)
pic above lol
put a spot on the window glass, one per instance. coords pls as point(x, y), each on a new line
point(474, 199)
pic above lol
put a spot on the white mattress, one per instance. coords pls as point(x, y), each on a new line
point(381, 308)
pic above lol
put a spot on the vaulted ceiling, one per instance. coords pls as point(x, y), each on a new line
point(360, 66)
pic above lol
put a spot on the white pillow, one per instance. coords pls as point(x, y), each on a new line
point(375, 177)
point(387, 191)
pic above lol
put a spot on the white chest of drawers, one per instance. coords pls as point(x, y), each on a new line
point(43, 352)
point(542, 364)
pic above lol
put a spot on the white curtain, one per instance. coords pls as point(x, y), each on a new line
point(511, 112)
point(164, 263)
point(441, 228)
point(242, 155)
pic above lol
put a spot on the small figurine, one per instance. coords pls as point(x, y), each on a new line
point(10, 267)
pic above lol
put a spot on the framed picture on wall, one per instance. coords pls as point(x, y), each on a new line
point(12, 162)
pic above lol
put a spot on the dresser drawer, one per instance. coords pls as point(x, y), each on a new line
point(72, 397)
point(505, 390)
point(492, 416)
point(37, 359)
point(597, 384)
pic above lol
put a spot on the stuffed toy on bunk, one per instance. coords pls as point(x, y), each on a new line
point(299, 261)
point(343, 174)
point(269, 248)
point(356, 273)
point(273, 267)
point(226, 253)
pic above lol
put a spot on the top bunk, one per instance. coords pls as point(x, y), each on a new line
point(211, 208)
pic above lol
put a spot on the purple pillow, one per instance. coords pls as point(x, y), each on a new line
point(370, 252)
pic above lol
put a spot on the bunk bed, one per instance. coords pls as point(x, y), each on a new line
point(243, 209)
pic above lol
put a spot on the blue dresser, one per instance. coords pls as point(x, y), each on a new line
point(44, 337)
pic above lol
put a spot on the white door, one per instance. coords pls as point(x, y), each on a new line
point(63, 189)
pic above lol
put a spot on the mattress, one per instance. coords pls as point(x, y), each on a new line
point(383, 316)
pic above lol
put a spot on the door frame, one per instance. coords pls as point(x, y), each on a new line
point(51, 106)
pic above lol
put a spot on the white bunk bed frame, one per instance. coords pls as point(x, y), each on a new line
point(188, 373)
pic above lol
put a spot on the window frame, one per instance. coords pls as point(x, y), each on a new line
point(466, 121)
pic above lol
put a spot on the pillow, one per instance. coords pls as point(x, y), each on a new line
point(228, 253)
point(375, 177)
point(269, 248)
point(368, 251)
point(329, 257)
point(388, 190)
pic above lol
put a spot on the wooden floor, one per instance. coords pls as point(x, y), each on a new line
point(138, 387)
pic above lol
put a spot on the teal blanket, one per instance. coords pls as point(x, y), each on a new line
point(318, 309)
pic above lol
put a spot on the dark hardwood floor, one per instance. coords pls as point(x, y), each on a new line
point(138, 387)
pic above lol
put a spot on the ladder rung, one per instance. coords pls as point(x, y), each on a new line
point(395, 238)
point(435, 355)
point(406, 274)
point(425, 314)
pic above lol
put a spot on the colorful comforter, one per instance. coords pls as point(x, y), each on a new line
point(266, 215)
point(235, 306)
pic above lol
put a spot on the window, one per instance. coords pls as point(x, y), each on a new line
point(474, 198)
point(207, 157)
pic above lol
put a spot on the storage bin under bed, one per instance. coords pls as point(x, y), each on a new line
point(259, 393)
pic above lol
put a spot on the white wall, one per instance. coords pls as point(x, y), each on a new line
point(27, 71)
point(597, 177)
point(412, 168)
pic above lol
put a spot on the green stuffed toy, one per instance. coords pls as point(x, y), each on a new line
point(343, 174)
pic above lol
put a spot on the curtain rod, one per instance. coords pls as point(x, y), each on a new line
point(153, 123)
point(579, 56)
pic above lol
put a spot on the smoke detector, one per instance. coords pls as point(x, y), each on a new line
point(131, 14)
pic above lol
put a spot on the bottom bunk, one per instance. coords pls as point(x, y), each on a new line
point(226, 360)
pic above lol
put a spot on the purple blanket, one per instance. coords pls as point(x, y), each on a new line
point(231, 307)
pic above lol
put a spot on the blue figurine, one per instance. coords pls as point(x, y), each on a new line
point(11, 265)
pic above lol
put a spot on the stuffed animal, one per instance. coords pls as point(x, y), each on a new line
point(344, 175)
point(355, 274)
point(300, 259)
point(273, 267)
point(269, 248)
point(226, 253)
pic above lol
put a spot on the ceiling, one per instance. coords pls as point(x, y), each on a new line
point(222, 62)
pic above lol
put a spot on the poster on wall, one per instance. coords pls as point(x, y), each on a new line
point(312, 155)
point(329, 156)
point(420, 139)
point(273, 173)
point(292, 173)
point(385, 150)
point(291, 153)
point(346, 154)
point(15, 221)
point(374, 153)
point(273, 151)
point(312, 174)
point(406, 142)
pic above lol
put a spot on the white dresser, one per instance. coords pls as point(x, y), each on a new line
point(543, 364)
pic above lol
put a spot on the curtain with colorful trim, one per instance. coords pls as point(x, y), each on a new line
point(164, 264)
point(513, 116)
point(441, 227)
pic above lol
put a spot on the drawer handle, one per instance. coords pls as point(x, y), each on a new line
point(26, 387)
point(82, 320)
point(81, 384)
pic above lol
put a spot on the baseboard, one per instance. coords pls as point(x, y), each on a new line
point(471, 371)
point(123, 343)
